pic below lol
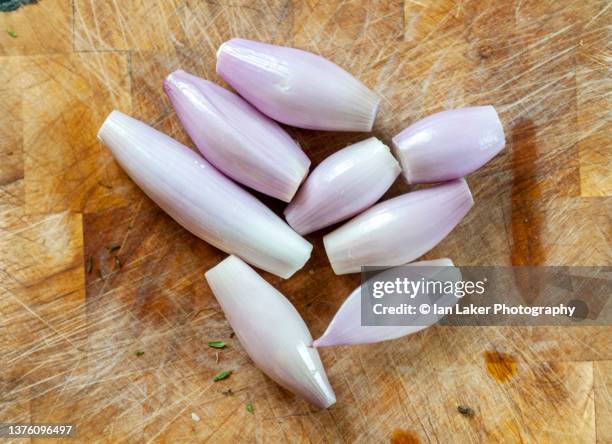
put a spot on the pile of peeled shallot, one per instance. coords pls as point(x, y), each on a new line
point(242, 143)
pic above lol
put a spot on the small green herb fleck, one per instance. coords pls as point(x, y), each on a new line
point(466, 411)
point(140, 353)
point(117, 262)
point(249, 407)
point(11, 33)
point(216, 344)
point(89, 264)
point(222, 375)
point(113, 248)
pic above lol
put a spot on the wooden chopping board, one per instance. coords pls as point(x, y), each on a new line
point(121, 350)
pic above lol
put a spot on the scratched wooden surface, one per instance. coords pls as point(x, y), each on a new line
point(72, 340)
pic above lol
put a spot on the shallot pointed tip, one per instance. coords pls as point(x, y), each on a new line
point(321, 342)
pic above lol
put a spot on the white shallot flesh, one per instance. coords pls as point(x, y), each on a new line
point(271, 330)
point(201, 199)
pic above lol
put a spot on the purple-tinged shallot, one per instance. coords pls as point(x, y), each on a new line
point(271, 330)
point(347, 182)
point(236, 138)
point(398, 230)
point(449, 144)
point(201, 199)
point(297, 87)
point(346, 327)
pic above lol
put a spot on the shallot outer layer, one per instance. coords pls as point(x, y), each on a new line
point(344, 184)
point(398, 230)
point(271, 330)
point(297, 87)
point(449, 144)
point(236, 138)
point(201, 199)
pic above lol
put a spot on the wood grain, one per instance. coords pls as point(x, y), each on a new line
point(120, 349)
point(76, 174)
point(46, 29)
point(603, 398)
